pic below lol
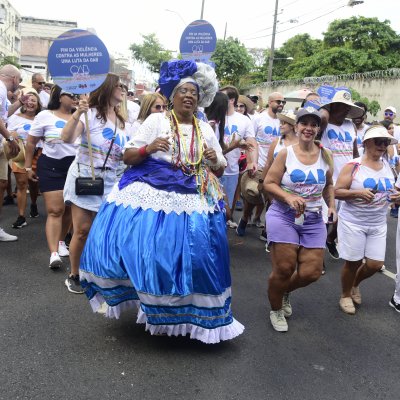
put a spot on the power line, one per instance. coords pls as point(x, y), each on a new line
point(304, 23)
point(289, 20)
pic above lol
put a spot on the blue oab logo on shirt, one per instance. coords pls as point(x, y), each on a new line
point(120, 140)
point(382, 185)
point(271, 131)
point(333, 135)
point(234, 129)
point(60, 124)
point(26, 127)
point(315, 177)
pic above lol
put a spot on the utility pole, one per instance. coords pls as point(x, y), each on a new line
point(271, 57)
point(202, 9)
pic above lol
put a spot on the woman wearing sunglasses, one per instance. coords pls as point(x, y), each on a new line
point(151, 103)
point(108, 137)
point(366, 186)
point(52, 168)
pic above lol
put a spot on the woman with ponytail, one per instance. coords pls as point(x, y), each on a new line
point(298, 180)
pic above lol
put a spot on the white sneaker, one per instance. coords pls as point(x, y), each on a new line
point(55, 261)
point(286, 306)
point(278, 321)
point(383, 268)
point(62, 249)
point(5, 237)
point(231, 224)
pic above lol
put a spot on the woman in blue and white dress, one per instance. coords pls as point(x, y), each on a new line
point(159, 241)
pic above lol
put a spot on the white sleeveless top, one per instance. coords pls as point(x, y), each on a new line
point(306, 181)
point(279, 146)
point(339, 140)
point(358, 211)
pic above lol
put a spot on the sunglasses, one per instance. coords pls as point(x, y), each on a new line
point(120, 86)
point(70, 95)
point(389, 114)
point(380, 141)
point(158, 107)
point(41, 83)
point(240, 106)
point(279, 102)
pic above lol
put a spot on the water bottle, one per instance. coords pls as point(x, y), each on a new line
point(299, 219)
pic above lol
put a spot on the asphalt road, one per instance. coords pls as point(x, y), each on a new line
point(53, 347)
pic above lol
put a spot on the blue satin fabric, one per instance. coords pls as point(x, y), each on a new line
point(160, 175)
point(162, 255)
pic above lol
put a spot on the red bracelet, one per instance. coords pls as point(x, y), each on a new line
point(143, 151)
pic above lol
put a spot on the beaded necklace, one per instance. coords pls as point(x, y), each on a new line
point(191, 162)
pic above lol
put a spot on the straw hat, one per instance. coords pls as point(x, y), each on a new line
point(378, 131)
point(287, 116)
point(247, 102)
point(344, 97)
point(19, 159)
point(249, 188)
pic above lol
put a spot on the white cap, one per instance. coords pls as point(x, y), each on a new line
point(392, 109)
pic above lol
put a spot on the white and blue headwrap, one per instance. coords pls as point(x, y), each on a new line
point(175, 73)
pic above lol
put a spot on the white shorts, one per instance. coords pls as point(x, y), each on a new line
point(356, 242)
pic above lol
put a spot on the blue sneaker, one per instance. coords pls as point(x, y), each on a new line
point(241, 229)
point(394, 212)
point(239, 206)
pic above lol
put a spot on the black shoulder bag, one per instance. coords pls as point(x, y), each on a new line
point(92, 186)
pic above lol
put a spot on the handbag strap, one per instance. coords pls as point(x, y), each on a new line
point(112, 142)
point(90, 146)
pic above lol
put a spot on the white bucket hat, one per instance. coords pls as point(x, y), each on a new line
point(344, 97)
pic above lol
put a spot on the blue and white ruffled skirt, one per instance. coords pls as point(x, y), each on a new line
point(165, 252)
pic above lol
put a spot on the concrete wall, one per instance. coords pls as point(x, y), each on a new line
point(385, 89)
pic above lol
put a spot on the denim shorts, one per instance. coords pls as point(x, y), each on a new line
point(281, 227)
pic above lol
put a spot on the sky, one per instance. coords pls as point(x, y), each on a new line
point(120, 23)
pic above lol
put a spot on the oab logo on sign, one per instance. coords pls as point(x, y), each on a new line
point(78, 61)
point(198, 41)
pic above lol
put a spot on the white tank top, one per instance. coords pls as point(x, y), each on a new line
point(279, 146)
point(307, 181)
point(339, 140)
point(358, 211)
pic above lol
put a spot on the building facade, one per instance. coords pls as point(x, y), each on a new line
point(10, 31)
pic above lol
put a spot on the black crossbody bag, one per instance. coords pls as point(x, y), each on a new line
point(92, 186)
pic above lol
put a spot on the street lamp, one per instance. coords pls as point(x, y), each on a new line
point(176, 12)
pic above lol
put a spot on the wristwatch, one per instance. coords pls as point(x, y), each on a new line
point(261, 181)
point(10, 139)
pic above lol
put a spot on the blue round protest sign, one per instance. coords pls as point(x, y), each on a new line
point(198, 41)
point(78, 61)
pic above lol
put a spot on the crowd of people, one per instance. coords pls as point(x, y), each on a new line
point(140, 197)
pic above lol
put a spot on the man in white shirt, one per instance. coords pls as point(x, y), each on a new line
point(38, 83)
point(390, 115)
point(10, 78)
point(239, 134)
point(340, 137)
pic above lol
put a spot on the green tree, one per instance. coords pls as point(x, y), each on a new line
point(150, 52)
point(9, 60)
point(372, 106)
point(361, 33)
point(232, 61)
point(336, 61)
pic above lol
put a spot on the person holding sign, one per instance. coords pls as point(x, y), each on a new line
point(160, 239)
point(100, 126)
point(52, 168)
